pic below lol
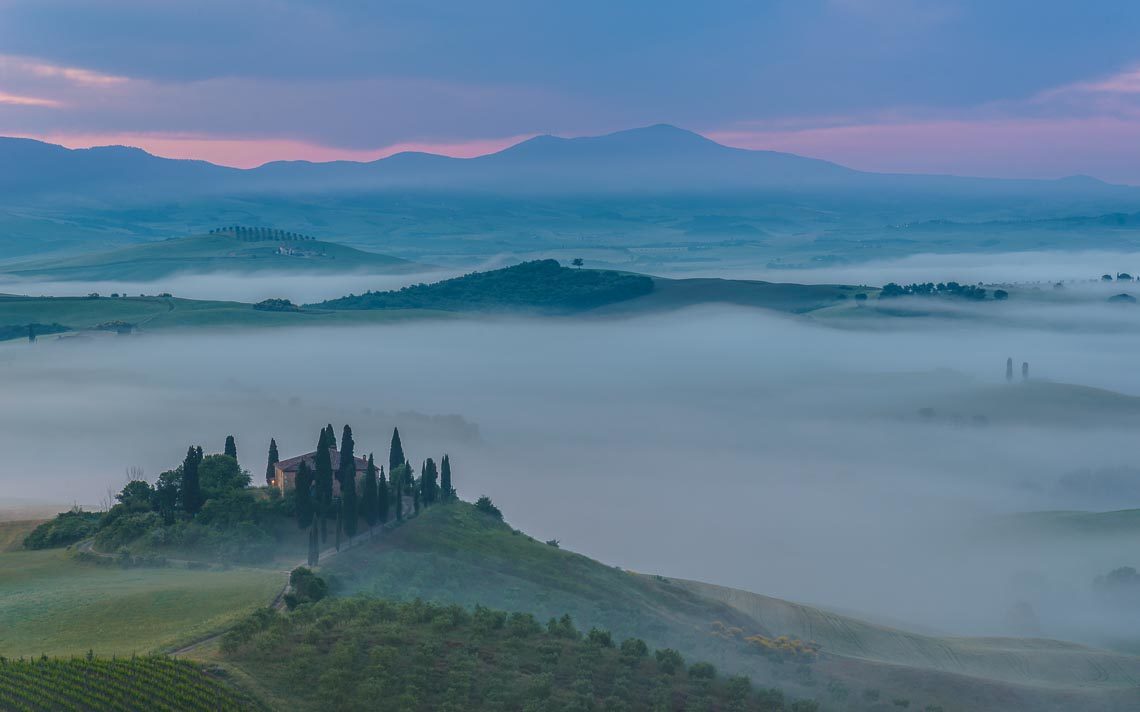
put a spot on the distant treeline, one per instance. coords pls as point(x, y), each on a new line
point(942, 289)
point(541, 285)
point(256, 234)
point(29, 331)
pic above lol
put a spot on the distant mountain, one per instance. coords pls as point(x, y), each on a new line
point(212, 253)
point(653, 159)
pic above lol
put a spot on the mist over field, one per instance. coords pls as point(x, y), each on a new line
point(859, 468)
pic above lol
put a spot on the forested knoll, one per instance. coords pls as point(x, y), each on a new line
point(541, 286)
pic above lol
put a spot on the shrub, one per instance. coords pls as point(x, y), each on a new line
point(702, 671)
point(669, 661)
point(486, 506)
point(601, 638)
point(67, 528)
point(307, 587)
point(634, 648)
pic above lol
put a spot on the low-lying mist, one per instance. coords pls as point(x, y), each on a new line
point(855, 468)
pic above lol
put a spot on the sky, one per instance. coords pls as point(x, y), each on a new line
point(1026, 88)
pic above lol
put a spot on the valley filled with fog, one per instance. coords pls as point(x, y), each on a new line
point(867, 466)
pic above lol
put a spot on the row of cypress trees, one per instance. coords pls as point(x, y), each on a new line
point(380, 495)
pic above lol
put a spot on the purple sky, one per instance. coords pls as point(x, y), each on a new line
point(1015, 88)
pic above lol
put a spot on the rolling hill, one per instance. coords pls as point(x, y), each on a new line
point(211, 253)
point(457, 555)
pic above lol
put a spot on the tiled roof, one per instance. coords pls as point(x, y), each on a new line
point(293, 463)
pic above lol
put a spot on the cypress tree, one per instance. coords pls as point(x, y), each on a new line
point(1025, 370)
point(429, 486)
point(231, 446)
point(191, 489)
point(382, 496)
point(415, 499)
point(270, 475)
point(396, 452)
point(369, 493)
point(314, 547)
point(398, 493)
point(303, 489)
point(324, 480)
point(446, 492)
point(331, 436)
point(1009, 369)
point(346, 474)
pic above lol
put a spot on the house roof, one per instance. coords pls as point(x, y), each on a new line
point(293, 463)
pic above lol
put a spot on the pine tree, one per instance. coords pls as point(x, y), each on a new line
point(382, 496)
point(191, 489)
point(231, 446)
point(369, 493)
point(396, 453)
point(303, 489)
point(429, 485)
point(1009, 369)
point(270, 472)
point(324, 480)
point(446, 492)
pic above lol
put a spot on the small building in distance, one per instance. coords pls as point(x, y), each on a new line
point(285, 471)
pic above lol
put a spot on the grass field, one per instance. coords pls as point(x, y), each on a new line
point(51, 604)
point(12, 533)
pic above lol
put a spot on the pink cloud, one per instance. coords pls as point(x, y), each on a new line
point(251, 152)
point(19, 100)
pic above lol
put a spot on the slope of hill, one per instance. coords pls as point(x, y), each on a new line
point(211, 253)
point(420, 656)
point(541, 286)
point(455, 555)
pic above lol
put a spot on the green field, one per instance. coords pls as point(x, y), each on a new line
point(101, 685)
point(210, 253)
point(52, 604)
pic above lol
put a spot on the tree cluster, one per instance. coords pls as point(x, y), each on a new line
point(941, 289)
point(258, 234)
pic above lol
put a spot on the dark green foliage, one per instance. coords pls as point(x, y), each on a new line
point(168, 494)
point(276, 305)
point(137, 495)
point(395, 452)
point(101, 685)
point(669, 661)
point(539, 286)
point(930, 289)
point(383, 496)
point(369, 493)
point(231, 447)
point(446, 490)
point(191, 489)
point(429, 483)
point(416, 656)
point(323, 476)
point(398, 492)
point(601, 638)
point(219, 475)
point(346, 475)
point(702, 671)
point(273, 460)
point(19, 331)
point(67, 528)
point(303, 487)
point(306, 587)
point(634, 648)
point(486, 506)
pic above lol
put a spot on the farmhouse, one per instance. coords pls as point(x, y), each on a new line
point(285, 471)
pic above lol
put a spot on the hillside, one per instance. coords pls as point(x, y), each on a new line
point(455, 555)
point(211, 253)
point(541, 286)
point(418, 656)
